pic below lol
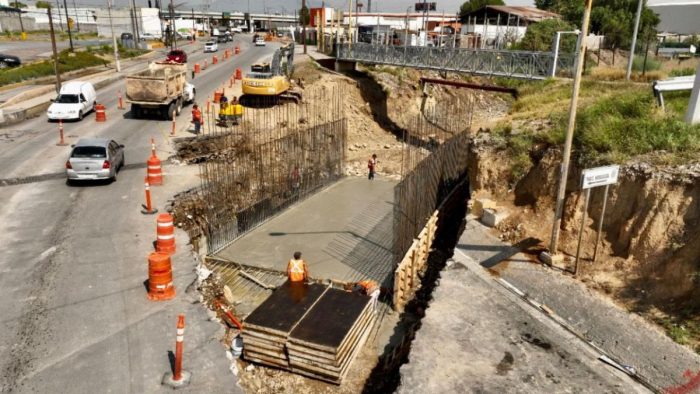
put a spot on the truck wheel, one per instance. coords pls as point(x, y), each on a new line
point(170, 114)
point(178, 110)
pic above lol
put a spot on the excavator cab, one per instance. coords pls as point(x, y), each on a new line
point(260, 68)
point(272, 79)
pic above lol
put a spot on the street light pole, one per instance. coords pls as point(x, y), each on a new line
point(114, 38)
point(634, 39)
point(55, 52)
point(70, 36)
point(561, 192)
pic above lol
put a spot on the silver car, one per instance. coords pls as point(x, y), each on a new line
point(93, 159)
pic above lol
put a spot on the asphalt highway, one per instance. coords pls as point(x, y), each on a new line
point(73, 311)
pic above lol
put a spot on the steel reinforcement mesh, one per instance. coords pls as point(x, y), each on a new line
point(434, 162)
point(278, 154)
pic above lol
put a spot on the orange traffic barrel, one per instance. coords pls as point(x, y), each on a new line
point(214, 59)
point(197, 69)
point(160, 277)
point(217, 96)
point(239, 75)
point(155, 172)
point(100, 114)
point(238, 49)
point(165, 234)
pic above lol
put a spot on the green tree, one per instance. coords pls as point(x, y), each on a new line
point(540, 36)
point(304, 16)
point(42, 4)
point(473, 5)
point(17, 4)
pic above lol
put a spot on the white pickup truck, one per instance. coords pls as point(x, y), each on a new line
point(160, 89)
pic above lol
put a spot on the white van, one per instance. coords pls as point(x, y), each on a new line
point(75, 99)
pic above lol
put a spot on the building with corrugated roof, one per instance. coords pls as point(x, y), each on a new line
point(497, 26)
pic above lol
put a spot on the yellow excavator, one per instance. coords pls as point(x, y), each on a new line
point(272, 79)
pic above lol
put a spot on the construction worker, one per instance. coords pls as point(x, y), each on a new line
point(371, 166)
point(237, 110)
point(196, 118)
point(296, 269)
point(370, 288)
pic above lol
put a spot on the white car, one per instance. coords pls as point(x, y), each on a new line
point(211, 46)
point(259, 42)
point(236, 30)
point(150, 37)
point(75, 99)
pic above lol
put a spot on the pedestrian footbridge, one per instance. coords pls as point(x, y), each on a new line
point(482, 62)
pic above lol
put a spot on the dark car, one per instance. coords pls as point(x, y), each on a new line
point(9, 61)
point(177, 56)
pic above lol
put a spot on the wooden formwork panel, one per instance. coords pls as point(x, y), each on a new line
point(415, 261)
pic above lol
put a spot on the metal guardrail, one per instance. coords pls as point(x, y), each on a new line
point(486, 62)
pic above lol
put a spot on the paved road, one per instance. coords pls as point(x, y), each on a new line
point(73, 312)
point(29, 51)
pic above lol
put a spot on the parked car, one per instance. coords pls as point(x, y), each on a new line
point(259, 42)
point(177, 56)
point(184, 35)
point(211, 46)
point(150, 37)
point(93, 159)
point(9, 61)
point(75, 99)
point(236, 29)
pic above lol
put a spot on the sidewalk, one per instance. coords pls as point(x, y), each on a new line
point(625, 337)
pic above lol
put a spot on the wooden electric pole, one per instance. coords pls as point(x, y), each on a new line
point(55, 52)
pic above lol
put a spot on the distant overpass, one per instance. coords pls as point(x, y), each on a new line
point(483, 62)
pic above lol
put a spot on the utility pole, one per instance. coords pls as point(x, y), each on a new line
point(634, 39)
point(136, 24)
point(77, 18)
point(21, 24)
point(561, 192)
point(60, 22)
point(70, 36)
point(173, 36)
point(55, 52)
point(303, 24)
point(114, 38)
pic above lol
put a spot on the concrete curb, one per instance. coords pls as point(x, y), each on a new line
point(11, 118)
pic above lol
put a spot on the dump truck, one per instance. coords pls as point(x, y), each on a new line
point(272, 79)
point(159, 90)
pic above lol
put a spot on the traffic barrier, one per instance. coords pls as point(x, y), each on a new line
point(155, 172)
point(214, 59)
point(238, 49)
point(148, 209)
point(179, 377)
point(120, 103)
point(165, 234)
point(239, 74)
point(160, 277)
point(100, 114)
point(197, 69)
point(61, 141)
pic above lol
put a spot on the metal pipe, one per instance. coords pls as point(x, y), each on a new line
point(634, 39)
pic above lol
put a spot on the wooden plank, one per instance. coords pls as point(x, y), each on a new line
point(295, 347)
point(285, 307)
point(265, 361)
point(330, 320)
point(255, 280)
point(281, 355)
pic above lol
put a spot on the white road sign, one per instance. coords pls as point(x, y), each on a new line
point(599, 176)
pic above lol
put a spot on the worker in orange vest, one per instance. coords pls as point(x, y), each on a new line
point(296, 269)
point(371, 289)
point(196, 118)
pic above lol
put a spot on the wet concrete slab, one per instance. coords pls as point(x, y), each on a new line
point(344, 233)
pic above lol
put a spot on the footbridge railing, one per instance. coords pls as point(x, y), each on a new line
point(485, 62)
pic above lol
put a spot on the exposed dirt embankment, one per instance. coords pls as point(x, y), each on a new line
point(649, 258)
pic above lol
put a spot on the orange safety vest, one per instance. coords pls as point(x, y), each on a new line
point(296, 270)
point(196, 114)
point(369, 285)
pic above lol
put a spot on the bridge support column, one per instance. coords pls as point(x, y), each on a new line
point(693, 114)
point(344, 66)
